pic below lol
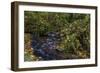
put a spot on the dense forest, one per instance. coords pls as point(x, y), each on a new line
point(56, 36)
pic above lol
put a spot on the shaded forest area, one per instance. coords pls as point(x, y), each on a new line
point(56, 36)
